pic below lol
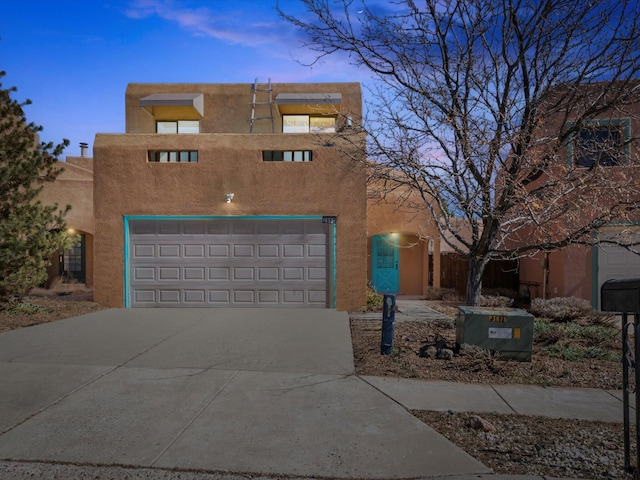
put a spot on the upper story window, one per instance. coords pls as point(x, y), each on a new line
point(178, 126)
point(602, 142)
point(308, 124)
point(287, 155)
point(181, 156)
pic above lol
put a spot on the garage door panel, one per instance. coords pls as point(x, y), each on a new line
point(218, 250)
point(268, 273)
point(268, 251)
point(144, 296)
point(195, 296)
point(243, 273)
point(194, 251)
point(169, 296)
point(169, 273)
point(243, 251)
point(144, 251)
point(221, 297)
point(168, 228)
point(228, 262)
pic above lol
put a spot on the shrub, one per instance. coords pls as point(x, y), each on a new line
point(495, 301)
point(374, 300)
point(439, 293)
point(25, 308)
point(561, 309)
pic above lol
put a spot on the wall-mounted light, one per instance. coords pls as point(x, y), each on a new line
point(229, 197)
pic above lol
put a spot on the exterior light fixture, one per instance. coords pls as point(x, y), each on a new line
point(229, 197)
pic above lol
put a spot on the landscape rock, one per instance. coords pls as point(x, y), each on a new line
point(478, 423)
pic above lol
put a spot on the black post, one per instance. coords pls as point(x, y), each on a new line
point(388, 319)
point(636, 323)
point(625, 391)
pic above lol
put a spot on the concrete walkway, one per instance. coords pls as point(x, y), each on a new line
point(242, 391)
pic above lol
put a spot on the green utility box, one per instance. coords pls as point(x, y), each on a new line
point(505, 330)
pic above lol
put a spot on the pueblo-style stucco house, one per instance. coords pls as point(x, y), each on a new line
point(74, 186)
point(403, 243)
point(232, 195)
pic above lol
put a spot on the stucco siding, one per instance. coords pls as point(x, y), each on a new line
point(127, 184)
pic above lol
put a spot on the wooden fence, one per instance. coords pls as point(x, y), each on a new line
point(499, 274)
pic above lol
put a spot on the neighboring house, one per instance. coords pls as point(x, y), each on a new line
point(74, 186)
point(232, 195)
point(403, 244)
point(577, 270)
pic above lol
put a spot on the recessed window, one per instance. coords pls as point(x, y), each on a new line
point(286, 155)
point(178, 126)
point(308, 124)
point(601, 143)
point(182, 156)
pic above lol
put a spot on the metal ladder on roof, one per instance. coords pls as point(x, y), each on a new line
point(262, 90)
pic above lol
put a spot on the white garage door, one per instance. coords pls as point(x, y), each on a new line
point(228, 262)
point(614, 262)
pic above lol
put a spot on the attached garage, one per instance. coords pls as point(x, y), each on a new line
point(228, 261)
point(614, 262)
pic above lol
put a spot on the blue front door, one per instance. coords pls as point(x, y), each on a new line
point(384, 268)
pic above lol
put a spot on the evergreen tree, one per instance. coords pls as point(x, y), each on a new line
point(30, 232)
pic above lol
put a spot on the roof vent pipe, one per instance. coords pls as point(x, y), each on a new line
point(83, 149)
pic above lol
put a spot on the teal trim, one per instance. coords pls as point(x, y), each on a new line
point(222, 217)
point(127, 299)
point(334, 245)
point(625, 122)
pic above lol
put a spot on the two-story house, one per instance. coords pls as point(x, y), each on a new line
point(605, 147)
point(232, 195)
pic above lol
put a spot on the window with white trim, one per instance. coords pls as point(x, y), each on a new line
point(178, 126)
point(308, 123)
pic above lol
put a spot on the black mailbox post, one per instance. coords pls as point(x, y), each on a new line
point(623, 296)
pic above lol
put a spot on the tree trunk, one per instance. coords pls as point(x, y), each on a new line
point(474, 280)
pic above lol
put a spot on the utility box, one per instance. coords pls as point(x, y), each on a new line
point(505, 330)
point(620, 296)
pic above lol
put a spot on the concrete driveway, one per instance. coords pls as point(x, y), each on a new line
point(261, 391)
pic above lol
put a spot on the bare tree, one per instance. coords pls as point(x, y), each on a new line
point(485, 108)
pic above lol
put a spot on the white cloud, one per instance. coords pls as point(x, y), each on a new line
point(233, 27)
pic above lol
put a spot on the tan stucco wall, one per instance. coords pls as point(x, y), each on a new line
point(227, 106)
point(74, 186)
point(126, 184)
point(414, 224)
point(570, 273)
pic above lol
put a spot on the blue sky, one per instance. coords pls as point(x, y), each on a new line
point(74, 58)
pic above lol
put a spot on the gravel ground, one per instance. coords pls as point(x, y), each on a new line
point(517, 444)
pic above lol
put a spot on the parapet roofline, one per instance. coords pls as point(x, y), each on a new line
point(319, 103)
point(193, 101)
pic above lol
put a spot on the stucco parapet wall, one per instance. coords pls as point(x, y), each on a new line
point(227, 108)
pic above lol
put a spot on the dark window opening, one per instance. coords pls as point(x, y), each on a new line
point(287, 155)
point(182, 156)
point(73, 262)
point(600, 144)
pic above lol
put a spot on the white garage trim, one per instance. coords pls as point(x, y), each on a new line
point(131, 260)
